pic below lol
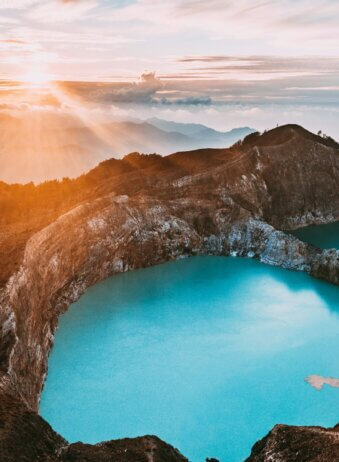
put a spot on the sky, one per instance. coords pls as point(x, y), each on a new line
point(221, 62)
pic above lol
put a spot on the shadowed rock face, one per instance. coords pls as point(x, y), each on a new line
point(138, 212)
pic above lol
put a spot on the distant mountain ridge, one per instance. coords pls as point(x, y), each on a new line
point(66, 146)
point(206, 135)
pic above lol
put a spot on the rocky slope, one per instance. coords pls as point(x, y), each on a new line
point(138, 212)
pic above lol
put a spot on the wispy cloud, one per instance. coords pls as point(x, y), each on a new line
point(277, 22)
point(52, 11)
point(16, 4)
point(261, 67)
point(13, 41)
point(225, 40)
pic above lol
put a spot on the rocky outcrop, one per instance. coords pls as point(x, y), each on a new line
point(146, 211)
point(142, 449)
point(297, 444)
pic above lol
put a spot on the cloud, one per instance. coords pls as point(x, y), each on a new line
point(263, 35)
point(13, 41)
point(318, 381)
point(260, 67)
point(148, 89)
point(191, 7)
point(52, 11)
point(188, 101)
point(16, 4)
point(244, 79)
point(272, 24)
point(328, 88)
point(141, 91)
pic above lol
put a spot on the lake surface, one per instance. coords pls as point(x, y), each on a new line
point(323, 236)
point(207, 353)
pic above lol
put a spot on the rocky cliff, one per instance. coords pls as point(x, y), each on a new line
point(138, 212)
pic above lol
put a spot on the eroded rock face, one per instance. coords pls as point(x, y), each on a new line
point(213, 202)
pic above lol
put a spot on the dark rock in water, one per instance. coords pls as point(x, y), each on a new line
point(297, 444)
point(57, 239)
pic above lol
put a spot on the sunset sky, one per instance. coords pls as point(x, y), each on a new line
point(187, 60)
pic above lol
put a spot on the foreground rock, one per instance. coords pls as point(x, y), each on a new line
point(139, 212)
point(297, 444)
point(26, 437)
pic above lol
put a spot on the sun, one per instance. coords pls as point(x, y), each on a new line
point(36, 77)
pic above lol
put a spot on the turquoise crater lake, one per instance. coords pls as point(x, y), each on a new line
point(323, 236)
point(208, 353)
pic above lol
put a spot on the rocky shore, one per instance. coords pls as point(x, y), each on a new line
point(142, 211)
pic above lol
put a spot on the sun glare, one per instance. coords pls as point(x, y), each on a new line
point(36, 77)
